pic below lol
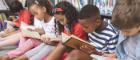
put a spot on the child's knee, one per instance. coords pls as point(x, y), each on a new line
point(78, 55)
point(74, 55)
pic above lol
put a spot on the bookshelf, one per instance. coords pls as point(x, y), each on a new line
point(77, 3)
point(105, 6)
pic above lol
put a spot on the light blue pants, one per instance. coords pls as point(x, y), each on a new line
point(39, 52)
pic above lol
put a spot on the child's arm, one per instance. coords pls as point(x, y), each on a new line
point(8, 32)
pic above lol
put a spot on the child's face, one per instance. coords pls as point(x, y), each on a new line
point(89, 25)
point(37, 12)
point(131, 32)
point(61, 18)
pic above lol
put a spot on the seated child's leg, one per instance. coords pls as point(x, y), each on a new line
point(29, 44)
point(31, 52)
point(43, 52)
point(34, 51)
point(10, 40)
point(78, 55)
point(57, 53)
point(22, 57)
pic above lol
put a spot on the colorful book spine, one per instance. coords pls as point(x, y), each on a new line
point(105, 6)
point(77, 3)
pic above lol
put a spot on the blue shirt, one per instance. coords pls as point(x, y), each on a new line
point(128, 47)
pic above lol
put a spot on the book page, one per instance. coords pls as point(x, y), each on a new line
point(98, 57)
point(65, 37)
point(26, 26)
point(31, 34)
point(54, 37)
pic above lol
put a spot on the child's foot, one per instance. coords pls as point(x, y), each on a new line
point(6, 57)
point(23, 57)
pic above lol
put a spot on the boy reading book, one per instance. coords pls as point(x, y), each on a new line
point(126, 17)
point(101, 33)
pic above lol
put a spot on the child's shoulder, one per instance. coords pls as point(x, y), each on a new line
point(77, 25)
point(137, 36)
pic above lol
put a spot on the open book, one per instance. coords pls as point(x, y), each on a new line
point(77, 43)
point(31, 34)
point(34, 34)
point(26, 26)
point(53, 37)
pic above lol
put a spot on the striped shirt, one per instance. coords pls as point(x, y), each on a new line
point(104, 40)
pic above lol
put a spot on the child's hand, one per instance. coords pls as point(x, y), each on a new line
point(43, 37)
point(110, 55)
point(41, 31)
point(110, 58)
point(9, 30)
point(48, 40)
point(13, 18)
point(30, 29)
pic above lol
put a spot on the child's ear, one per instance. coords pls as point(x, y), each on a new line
point(44, 9)
point(98, 22)
point(65, 19)
point(139, 27)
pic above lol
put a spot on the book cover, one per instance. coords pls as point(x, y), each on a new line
point(77, 43)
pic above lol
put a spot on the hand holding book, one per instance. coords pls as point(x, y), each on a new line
point(50, 39)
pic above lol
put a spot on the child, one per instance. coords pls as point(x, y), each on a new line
point(23, 16)
point(67, 17)
point(41, 9)
point(43, 49)
point(101, 33)
point(126, 17)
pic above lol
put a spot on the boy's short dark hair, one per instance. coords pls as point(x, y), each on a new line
point(126, 14)
point(89, 11)
point(16, 6)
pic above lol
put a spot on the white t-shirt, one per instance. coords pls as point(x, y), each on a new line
point(38, 23)
point(49, 27)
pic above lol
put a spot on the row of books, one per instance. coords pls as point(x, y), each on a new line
point(105, 6)
point(77, 3)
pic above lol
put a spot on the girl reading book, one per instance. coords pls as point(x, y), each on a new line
point(41, 9)
point(67, 20)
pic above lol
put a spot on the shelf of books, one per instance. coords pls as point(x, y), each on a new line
point(105, 6)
